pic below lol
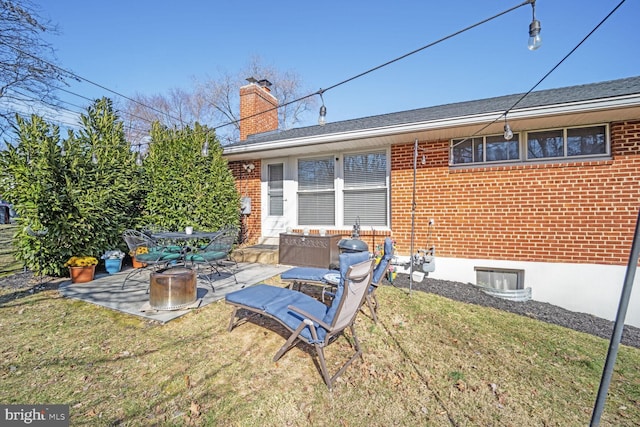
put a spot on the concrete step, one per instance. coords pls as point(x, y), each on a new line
point(262, 254)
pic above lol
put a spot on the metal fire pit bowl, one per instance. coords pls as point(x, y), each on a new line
point(172, 288)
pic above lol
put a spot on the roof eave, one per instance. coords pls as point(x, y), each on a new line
point(239, 152)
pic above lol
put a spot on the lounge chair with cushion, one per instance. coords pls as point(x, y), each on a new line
point(378, 273)
point(298, 276)
point(307, 319)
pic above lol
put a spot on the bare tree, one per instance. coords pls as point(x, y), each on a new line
point(222, 96)
point(28, 75)
point(176, 109)
point(216, 102)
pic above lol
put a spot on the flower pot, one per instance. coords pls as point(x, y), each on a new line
point(82, 274)
point(137, 264)
point(112, 265)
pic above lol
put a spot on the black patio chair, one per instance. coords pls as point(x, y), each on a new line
point(215, 253)
point(148, 252)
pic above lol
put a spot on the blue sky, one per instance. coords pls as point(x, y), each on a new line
point(149, 47)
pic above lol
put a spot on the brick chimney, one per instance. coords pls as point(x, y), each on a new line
point(255, 98)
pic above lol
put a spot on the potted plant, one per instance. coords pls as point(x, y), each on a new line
point(81, 268)
point(139, 250)
point(113, 261)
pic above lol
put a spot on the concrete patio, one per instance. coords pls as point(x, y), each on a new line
point(106, 290)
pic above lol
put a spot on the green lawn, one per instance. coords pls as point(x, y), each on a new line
point(429, 361)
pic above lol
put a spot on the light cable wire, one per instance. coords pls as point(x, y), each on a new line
point(89, 81)
point(527, 93)
point(357, 76)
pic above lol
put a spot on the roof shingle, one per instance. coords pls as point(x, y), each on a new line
point(548, 97)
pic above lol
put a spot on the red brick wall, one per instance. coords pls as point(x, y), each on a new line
point(255, 99)
point(248, 185)
point(576, 212)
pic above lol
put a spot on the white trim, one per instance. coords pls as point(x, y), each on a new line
point(339, 186)
point(272, 226)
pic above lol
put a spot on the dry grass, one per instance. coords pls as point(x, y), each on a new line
point(8, 264)
point(429, 361)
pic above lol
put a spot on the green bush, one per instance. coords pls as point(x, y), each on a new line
point(187, 188)
point(75, 197)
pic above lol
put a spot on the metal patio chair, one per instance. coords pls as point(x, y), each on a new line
point(147, 251)
point(215, 253)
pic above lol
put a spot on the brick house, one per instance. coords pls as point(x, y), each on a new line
point(553, 209)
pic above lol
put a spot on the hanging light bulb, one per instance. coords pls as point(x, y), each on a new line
point(205, 148)
point(322, 120)
point(535, 41)
point(508, 133)
point(139, 159)
point(94, 159)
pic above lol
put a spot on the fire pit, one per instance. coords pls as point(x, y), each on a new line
point(172, 288)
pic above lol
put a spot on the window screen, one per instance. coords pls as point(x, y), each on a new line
point(316, 191)
point(365, 188)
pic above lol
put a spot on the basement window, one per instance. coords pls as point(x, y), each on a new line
point(500, 278)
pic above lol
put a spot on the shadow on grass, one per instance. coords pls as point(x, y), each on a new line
point(26, 286)
point(418, 372)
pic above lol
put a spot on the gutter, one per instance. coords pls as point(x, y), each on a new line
point(385, 131)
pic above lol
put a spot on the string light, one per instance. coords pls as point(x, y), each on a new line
point(508, 133)
point(322, 119)
point(77, 77)
point(543, 78)
point(205, 148)
point(321, 91)
point(323, 109)
point(535, 41)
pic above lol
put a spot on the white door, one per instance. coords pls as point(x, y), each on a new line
point(275, 206)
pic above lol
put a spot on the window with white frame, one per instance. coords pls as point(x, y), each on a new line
point(484, 149)
point(275, 189)
point(563, 143)
point(330, 197)
point(365, 188)
point(567, 142)
point(316, 191)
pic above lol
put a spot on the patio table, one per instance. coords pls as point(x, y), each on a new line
point(332, 278)
point(181, 236)
point(183, 239)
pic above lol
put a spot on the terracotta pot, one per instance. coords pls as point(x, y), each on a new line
point(82, 274)
point(137, 264)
